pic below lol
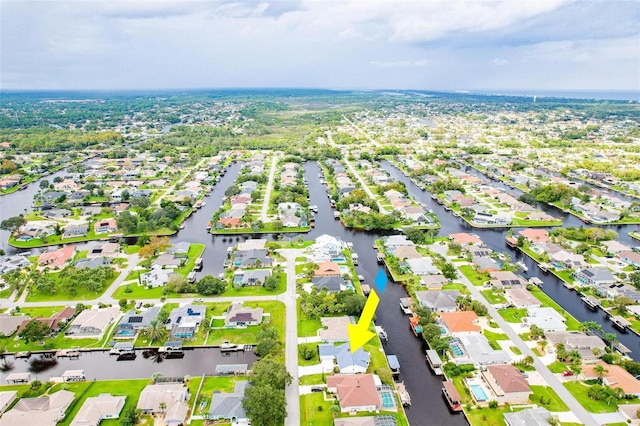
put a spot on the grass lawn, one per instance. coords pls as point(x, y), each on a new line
point(552, 401)
point(314, 410)
point(487, 416)
point(557, 367)
point(130, 388)
point(210, 385)
point(258, 290)
point(579, 391)
point(141, 292)
point(59, 294)
point(313, 379)
point(476, 278)
point(493, 297)
point(307, 327)
point(494, 337)
point(514, 315)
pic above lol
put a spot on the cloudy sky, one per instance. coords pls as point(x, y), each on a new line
point(357, 44)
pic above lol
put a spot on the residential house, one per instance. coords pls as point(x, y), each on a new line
point(332, 283)
point(568, 260)
point(105, 226)
point(433, 282)
point(438, 300)
point(327, 269)
point(355, 392)
point(334, 329)
point(348, 362)
point(13, 262)
point(460, 323)
point(589, 347)
point(465, 239)
point(179, 248)
point(98, 408)
point(615, 377)
point(251, 276)
point(383, 420)
point(548, 319)
point(529, 417)
point(475, 349)
point(10, 323)
point(501, 279)
point(168, 399)
point(168, 261)
point(535, 235)
point(157, 277)
point(614, 247)
point(71, 231)
point(239, 316)
point(228, 406)
point(326, 247)
point(594, 276)
point(42, 411)
point(251, 258)
point(57, 258)
point(406, 252)
point(507, 383)
point(520, 297)
point(184, 321)
point(92, 263)
point(485, 264)
point(134, 321)
point(104, 250)
point(392, 242)
point(92, 323)
point(6, 399)
point(630, 257)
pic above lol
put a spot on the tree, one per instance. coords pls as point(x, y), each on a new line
point(155, 331)
point(354, 304)
point(44, 184)
point(600, 371)
point(449, 271)
point(34, 331)
point(123, 303)
point(141, 202)
point(129, 417)
point(269, 372)
point(209, 285)
point(178, 284)
point(265, 405)
point(13, 223)
point(267, 340)
point(271, 282)
point(306, 352)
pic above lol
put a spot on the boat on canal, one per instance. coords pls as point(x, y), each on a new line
point(452, 396)
point(590, 302)
point(405, 398)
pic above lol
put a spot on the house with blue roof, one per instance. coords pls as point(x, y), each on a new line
point(348, 363)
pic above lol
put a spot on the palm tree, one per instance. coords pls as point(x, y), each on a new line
point(162, 406)
point(600, 370)
point(155, 331)
point(543, 344)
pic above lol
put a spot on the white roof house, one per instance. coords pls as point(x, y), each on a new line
point(92, 322)
point(422, 266)
point(42, 411)
point(546, 318)
point(175, 397)
point(157, 277)
point(98, 408)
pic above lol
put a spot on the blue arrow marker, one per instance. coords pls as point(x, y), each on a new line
point(381, 280)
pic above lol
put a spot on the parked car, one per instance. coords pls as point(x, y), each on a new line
point(567, 373)
point(317, 389)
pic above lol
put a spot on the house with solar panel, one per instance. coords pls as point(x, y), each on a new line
point(184, 321)
point(239, 316)
point(134, 321)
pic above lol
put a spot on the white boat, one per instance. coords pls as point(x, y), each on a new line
point(522, 266)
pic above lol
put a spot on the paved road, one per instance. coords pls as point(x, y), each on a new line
point(359, 129)
point(292, 392)
point(179, 181)
point(583, 415)
point(267, 193)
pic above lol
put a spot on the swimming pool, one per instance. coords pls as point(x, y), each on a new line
point(456, 349)
point(387, 399)
point(339, 259)
point(344, 269)
point(478, 393)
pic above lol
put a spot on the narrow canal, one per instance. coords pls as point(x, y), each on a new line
point(495, 239)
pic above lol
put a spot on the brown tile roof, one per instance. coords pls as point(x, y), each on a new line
point(355, 390)
point(460, 321)
point(615, 376)
point(509, 378)
point(327, 269)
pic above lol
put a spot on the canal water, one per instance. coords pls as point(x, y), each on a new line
point(100, 365)
point(495, 239)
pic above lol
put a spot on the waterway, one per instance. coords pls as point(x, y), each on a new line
point(100, 365)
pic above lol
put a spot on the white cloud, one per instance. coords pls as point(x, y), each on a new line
point(401, 64)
